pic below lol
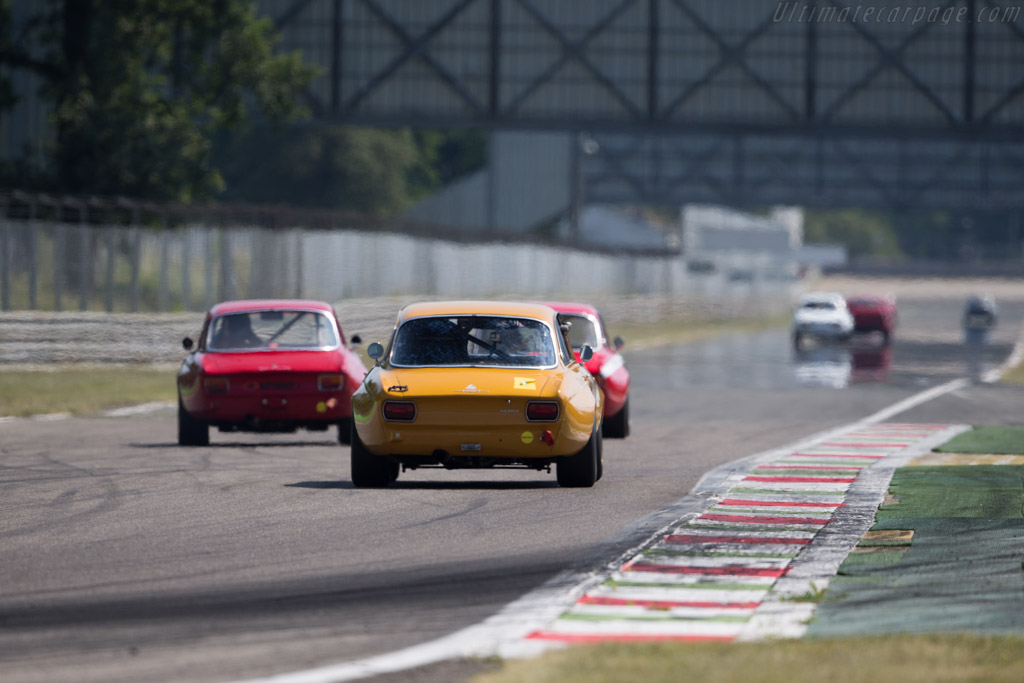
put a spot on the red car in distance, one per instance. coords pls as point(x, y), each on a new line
point(268, 365)
point(873, 314)
point(607, 365)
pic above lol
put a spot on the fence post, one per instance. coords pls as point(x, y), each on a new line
point(186, 257)
point(208, 263)
point(108, 240)
point(86, 271)
point(226, 291)
point(5, 259)
point(59, 249)
point(164, 266)
point(135, 255)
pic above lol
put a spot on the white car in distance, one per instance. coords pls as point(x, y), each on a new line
point(822, 316)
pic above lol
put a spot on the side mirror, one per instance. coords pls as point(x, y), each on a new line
point(618, 343)
point(586, 353)
point(187, 343)
point(375, 351)
point(355, 341)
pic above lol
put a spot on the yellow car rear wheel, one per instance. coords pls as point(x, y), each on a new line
point(369, 470)
point(583, 469)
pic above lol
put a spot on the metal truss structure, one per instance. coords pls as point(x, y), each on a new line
point(826, 102)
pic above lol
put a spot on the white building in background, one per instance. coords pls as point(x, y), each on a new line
point(709, 229)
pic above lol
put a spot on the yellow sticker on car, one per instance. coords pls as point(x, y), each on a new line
point(527, 383)
point(527, 437)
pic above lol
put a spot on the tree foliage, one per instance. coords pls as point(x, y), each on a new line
point(139, 88)
point(864, 233)
point(359, 169)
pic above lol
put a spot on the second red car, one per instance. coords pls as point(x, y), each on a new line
point(587, 328)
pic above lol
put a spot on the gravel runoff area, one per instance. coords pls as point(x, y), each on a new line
point(38, 339)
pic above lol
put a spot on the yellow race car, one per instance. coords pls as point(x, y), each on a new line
point(475, 385)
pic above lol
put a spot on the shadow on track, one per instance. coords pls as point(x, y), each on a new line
point(434, 485)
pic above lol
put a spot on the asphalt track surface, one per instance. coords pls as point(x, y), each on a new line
point(127, 558)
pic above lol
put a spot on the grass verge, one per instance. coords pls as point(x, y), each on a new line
point(81, 390)
point(661, 333)
point(908, 659)
point(1014, 375)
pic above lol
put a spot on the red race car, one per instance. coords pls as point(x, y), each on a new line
point(267, 366)
point(607, 365)
point(873, 314)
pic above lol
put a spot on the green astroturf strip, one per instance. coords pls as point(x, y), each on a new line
point(651, 617)
point(994, 440)
point(988, 491)
point(691, 586)
point(860, 559)
point(962, 571)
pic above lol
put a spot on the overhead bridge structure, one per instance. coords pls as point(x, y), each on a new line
point(897, 104)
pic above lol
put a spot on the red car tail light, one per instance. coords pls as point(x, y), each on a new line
point(542, 411)
point(399, 411)
point(216, 385)
point(331, 382)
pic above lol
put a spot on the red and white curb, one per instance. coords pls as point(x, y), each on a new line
point(751, 563)
point(777, 562)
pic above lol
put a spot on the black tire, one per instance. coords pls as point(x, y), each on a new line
point(581, 470)
point(345, 431)
point(617, 426)
point(369, 470)
point(191, 432)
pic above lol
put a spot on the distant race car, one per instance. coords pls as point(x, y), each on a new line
point(822, 316)
point(587, 328)
point(873, 314)
point(267, 366)
point(477, 385)
point(980, 313)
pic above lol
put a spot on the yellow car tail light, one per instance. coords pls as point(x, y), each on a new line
point(399, 411)
point(542, 411)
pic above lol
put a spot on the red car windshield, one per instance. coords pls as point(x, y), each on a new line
point(271, 331)
point(583, 331)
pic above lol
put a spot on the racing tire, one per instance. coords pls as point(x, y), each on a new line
point(617, 426)
point(583, 469)
point(369, 470)
point(191, 431)
point(345, 431)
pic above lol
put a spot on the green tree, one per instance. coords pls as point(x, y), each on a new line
point(140, 87)
point(358, 169)
point(864, 233)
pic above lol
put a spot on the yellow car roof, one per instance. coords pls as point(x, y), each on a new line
point(504, 308)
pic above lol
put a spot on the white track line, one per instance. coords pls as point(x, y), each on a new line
point(504, 633)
